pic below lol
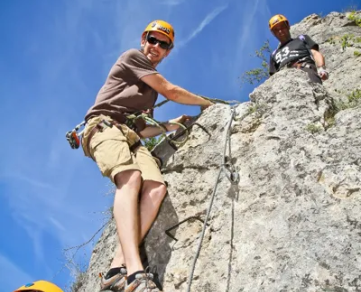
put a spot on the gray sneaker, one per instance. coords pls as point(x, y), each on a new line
point(145, 282)
point(115, 283)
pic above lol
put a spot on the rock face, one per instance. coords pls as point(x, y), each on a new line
point(293, 220)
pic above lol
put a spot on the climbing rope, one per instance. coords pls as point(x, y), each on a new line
point(234, 179)
point(154, 122)
point(175, 142)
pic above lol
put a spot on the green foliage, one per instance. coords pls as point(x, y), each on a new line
point(354, 96)
point(329, 115)
point(252, 109)
point(355, 18)
point(353, 100)
point(345, 40)
point(331, 40)
point(313, 128)
point(150, 143)
point(330, 122)
point(341, 105)
point(259, 108)
point(261, 73)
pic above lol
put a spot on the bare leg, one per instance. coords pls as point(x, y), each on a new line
point(151, 198)
point(127, 217)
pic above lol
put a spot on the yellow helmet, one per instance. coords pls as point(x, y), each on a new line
point(278, 18)
point(41, 286)
point(161, 27)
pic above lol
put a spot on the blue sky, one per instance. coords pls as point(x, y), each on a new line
point(55, 56)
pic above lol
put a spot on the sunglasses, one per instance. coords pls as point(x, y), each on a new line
point(153, 41)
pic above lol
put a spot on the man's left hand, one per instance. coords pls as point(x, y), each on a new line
point(181, 120)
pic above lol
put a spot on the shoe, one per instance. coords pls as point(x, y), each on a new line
point(145, 282)
point(116, 282)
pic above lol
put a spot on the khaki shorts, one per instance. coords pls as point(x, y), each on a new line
point(110, 149)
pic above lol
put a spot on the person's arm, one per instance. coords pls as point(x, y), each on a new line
point(152, 131)
point(319, 59)
point(317, 56)
point(320, 63)
point(174, 92)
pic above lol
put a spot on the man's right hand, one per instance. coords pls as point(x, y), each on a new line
point(203, 107)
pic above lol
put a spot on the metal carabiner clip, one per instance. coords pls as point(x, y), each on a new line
point(73, 136)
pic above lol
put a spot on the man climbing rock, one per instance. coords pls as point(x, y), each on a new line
point(112, 139)
point(300, 53)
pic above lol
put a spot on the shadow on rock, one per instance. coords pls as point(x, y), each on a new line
point(158, 248)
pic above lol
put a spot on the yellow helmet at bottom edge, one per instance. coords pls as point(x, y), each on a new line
point(41, 286)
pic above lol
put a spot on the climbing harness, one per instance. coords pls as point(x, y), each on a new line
point(74, 136)
point(299, 65)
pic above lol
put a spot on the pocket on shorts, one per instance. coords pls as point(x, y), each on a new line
point(110, 149)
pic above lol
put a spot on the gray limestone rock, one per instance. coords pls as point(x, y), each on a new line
point(293, 221)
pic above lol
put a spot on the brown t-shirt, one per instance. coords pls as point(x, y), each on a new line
point(123, 91)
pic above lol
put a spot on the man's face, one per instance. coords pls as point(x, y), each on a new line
point(152, 48)
point(281, 31)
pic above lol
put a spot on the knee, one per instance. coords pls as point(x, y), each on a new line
point(162, 190)
point(157, 193)
point(130, 178)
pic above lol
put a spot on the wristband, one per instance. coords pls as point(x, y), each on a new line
point(321, 70)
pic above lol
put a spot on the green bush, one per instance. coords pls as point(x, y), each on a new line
point(150, 143)
point(355, 18)
point(258, 75)
point(312, 128)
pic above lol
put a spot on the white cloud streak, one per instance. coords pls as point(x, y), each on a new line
point(30, 181)
point(57, 224)
point(206, 21)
